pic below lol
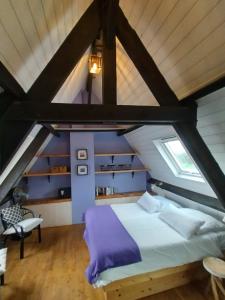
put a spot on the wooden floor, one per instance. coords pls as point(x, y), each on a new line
point(55, 268)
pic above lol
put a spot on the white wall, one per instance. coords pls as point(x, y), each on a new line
point(211, 125)
point(54, 214)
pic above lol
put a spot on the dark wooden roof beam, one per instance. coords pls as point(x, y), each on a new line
point(55, 113)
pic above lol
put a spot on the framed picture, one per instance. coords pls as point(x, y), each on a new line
point(82, 154)
point(82, 170)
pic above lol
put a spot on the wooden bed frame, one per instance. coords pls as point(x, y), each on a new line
point(147, 284)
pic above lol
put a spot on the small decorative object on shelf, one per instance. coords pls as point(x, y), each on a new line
point(114, 167)
point(82, 170)
point(108, 190)
point(58, 169)
point(82, 154)
point(64, 192)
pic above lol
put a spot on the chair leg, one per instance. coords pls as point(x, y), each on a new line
point(2, 279)
point(5, 239)
point(39, 233)
point(220, 285)
point(22, 248)
point(214, 288)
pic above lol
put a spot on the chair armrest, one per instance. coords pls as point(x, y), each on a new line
point(26, 211)
point(15, 226)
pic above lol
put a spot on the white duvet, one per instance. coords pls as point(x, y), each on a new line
point(160, 245)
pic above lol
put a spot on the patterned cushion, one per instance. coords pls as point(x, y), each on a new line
point(12, 214)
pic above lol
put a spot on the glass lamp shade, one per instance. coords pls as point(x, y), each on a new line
point(95, 64)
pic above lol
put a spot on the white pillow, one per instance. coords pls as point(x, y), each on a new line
point(184, 224)
point(166, 203)
point(211, 224)
point(149, 203)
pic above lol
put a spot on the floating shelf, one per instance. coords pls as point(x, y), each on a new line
point(54, 155)
point(45, 174)
point(113, 172)
point(119, 195)
point(121, 171)
point(131, 154)
point(117, 154)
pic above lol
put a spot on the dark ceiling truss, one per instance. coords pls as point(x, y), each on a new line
point(165, 96)
point(8, 83)
point(11, 133)
point(51, 129)
point(107, 15)
point(98, 114)
point(109, 10)
point(23, 162)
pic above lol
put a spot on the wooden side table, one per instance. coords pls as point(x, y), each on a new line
point(215, 267)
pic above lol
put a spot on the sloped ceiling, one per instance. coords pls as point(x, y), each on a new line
point(31, 31)
point(141, 141)
point(211, 126)
point(185, 38)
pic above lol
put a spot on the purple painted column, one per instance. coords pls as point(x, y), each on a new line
point(82, 187)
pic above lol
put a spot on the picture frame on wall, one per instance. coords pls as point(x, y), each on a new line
point(82, 154)
point(82, 170)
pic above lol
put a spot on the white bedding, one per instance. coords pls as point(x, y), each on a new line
point(160, 245)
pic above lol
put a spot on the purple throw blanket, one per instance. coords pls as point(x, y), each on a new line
point(109, 244)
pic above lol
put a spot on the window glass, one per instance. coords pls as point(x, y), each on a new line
point(181, 157)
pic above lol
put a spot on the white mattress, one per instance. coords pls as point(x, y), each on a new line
point(159, 244)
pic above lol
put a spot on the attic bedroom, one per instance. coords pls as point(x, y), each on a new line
point(112, 149)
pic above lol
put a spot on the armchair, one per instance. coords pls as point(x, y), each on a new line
point(17, 226)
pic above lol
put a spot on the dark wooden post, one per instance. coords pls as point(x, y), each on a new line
point(109, 10)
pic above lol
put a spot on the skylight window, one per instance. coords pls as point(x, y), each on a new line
point(178, 159)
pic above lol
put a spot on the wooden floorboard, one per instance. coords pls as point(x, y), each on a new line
point(55, 268)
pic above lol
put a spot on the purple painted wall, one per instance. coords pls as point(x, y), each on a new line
point(107, 143)
point(39, 187)
point(83, 187)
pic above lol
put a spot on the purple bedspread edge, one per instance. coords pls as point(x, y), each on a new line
point(109, 243)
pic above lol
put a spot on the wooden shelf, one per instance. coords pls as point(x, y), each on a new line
point(45, 174)
point(120, 171)
point(117, 154)
point(53, 155)
point(46, 201)
point(119, 195)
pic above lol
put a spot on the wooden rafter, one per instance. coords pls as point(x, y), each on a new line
point(49, 81)
point(60, 66)
point(109, 92)
point(143, 62)
point(165, 96)
point(21, 165)
point(9, 83)
point(98, 114)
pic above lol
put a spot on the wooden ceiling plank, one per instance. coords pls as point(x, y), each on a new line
point(61, 65)
point(206, 90)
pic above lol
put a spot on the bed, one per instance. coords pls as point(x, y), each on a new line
point(167, 259)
